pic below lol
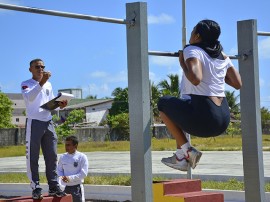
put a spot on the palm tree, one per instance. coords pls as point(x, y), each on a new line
point(232, 99)
point(155, 95)
point(120, 103)
point(171, 87)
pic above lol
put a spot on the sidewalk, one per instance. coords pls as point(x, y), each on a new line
point(216, 165)
point(220, 165)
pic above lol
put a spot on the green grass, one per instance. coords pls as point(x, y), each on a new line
point(220, 143)
point(125, 180)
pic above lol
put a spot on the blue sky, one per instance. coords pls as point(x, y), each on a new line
point(92, 55)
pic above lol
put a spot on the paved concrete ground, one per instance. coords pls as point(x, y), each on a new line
point(213, 165)
point(223, 163)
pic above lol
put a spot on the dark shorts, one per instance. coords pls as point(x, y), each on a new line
point(199, 116)
point(75, 191)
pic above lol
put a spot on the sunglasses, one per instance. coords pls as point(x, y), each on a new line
point(39, 66)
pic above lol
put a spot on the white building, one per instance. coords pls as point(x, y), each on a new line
point(96, 110)
point(18, 114)
point(77, 92)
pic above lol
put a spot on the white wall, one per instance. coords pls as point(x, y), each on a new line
point(97, 113)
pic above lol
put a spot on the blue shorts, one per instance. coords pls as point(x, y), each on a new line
point(198, 116)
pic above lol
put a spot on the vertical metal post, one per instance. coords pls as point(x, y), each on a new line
point(184, 27)
point(250, 112)
point(184, 42)
point(139, 103)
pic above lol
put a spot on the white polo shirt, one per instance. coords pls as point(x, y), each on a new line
point(74, 166)
point(34, 96)
point(214, 72)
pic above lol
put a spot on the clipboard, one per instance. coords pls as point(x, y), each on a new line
point(54, 103)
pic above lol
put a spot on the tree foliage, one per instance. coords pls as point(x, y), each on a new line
point(120, 104)
point(155, 95)
point(91, 97)
point(66, 128)
point(232, 101)
point(120, 124)
point(265, 117)
point(6, 110)
point(170, 87)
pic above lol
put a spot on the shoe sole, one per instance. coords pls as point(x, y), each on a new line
point(196, 160)
point(38, 198)
point(173, 166)
point(58, 196)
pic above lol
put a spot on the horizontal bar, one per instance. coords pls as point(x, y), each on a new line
point(159, 53)
point(61, 14)
point(176, 54)
point(263, 33)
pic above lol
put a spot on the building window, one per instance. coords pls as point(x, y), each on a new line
point(17, 119)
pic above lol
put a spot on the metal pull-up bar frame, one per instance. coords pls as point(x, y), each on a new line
point(63, 14)
point(176, 54)
point(259, 33)
point(139, 98)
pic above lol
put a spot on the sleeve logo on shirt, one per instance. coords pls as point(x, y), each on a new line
point(47, 92)
point(24, 87)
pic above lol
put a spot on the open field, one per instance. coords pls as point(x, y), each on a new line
point(221, 143)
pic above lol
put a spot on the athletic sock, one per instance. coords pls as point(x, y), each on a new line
point(185, 148)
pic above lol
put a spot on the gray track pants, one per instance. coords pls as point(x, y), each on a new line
point(40, 133)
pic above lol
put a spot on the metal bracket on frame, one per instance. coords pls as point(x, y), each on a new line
point(244, 55)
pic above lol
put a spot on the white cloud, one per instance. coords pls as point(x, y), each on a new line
point(110, 78)
point(161, 19)
point(8, 87)
point(98, 74)
point(103, 83)
point(118, 77)
point(164, 61)
point(105, 87)
point(154, 78)
point(99, 90)
point(264, 48)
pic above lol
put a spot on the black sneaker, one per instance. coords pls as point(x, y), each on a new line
point(36, 194)
point(56, 191)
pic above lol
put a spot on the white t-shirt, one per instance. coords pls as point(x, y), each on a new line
point(74, 166)
point(213, 70)
point(34, 96)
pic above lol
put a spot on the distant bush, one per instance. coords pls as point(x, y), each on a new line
point(119, 124)
point(234, 129)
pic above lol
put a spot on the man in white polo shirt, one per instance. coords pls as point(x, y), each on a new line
point(40, 130)
point(72, 169)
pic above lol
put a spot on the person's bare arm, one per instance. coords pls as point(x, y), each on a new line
point(233, 78)
point(192, 68)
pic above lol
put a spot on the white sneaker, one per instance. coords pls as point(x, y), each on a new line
point(193, 157)
point(176, 163)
